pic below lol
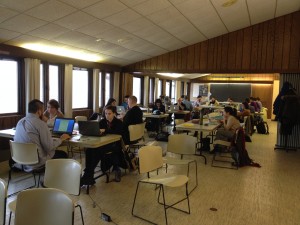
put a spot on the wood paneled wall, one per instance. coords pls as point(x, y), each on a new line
point(271, 46)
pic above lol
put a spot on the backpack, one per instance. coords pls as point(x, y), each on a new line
point(239, 152)
point(262, 128)
point(205, 144)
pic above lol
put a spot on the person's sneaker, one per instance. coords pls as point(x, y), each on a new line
point(118, 175)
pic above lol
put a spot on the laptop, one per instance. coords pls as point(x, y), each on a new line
point(89, 128)
point(174, 107)
point(63, 126)
point(120, 109)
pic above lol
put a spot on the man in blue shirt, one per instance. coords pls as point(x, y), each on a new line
point(125, 103)
point(32, 129)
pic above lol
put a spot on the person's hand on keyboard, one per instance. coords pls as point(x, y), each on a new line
point(65, 137)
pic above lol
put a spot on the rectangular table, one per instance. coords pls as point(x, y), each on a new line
point(158, 118)
point(190, 126)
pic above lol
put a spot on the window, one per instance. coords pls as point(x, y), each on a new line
point(79, 89)
point(159, 88)
point(9, 86)
point(168, 88)
point(173, 90)
point(42, 82)
point(137, 86)
point(100, 89)
point(53, 82)
point(107, 87)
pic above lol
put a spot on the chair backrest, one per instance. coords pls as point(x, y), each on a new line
point(182, 144)
point(47, 206)
point(80, 118)
point(24, 153)
point(150, 158)
point(63, 174)
point(3, 196)
point(136, 132)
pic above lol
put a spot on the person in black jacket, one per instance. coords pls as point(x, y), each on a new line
point(133, 116)
point(108, 125)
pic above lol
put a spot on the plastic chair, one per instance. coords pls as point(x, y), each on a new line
point(136, 133)
point(223, 155)
point(3, 197)
point(47, 206)
point(25, 154)
point(151, 159)
point(63, 174)
point(183, 145)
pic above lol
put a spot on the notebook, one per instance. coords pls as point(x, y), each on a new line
point(89, 128)
point(120, 109)
point(63, 126)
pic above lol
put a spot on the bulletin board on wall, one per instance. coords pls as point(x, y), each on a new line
point(238, 92)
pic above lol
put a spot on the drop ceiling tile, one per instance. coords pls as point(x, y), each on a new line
point(105, 8)
point(23, 39)
point(19, 4)
point(48, 31)
point(164, 14)
point(122, 17)
point(102, 46)
point(137, 25)
point(286, 7)
point(75, 20)
point(22, 23)
point(6, 35)
point(72, 38)
point(114, 35)
point(80, 4)
point(170, 43)
point(261, 10)
point(234, 17)
point(51, 10)
point(147, 31)
point(95, 28)
point(6, 14)
point(149, 7)
point(131, 3)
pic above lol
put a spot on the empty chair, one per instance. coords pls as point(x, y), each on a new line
point(63, 174)
point(47, 206)
point(183, 145)
point(3, 196)
point(136, 134)
point(25, 154)
point(150, 160)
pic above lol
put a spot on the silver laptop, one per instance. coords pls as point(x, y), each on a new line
point(120, 109)
point(174, 107)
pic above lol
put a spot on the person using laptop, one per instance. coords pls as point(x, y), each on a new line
point(52, 112)
point(109, 125)
point(32, 129)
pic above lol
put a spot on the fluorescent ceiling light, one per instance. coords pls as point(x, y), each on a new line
point(60, 51)
point(174, 75)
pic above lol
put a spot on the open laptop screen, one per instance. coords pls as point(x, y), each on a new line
point(63, 126)
point(120, 109)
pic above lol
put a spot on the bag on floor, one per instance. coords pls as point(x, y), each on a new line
point(262, 128)
point(205, 144)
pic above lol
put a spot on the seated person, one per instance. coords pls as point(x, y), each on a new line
point(230, 124)
point(110, 101)
point(251, 107)
point(258, 102)
point(181, 106)
point(32, 129)
point(153, 124)
point(254, 104)
point(52, 112)
point(244, 111)
point(125, 102)
point(159, 106)
point(110, 125)
point(133, 116)
point(187, 103)
point(213, 101)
